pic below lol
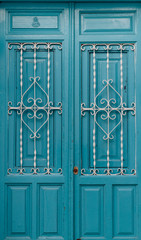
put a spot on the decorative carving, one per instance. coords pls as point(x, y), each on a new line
point(35, 23)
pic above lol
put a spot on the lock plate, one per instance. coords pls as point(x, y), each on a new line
point(75, 171)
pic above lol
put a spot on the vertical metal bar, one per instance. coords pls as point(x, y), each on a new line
point(21, 112)
point(94, 84)
point(134, 49)
point(108, 164)
point(121, 131)
point(35, 151)
point(48, 86)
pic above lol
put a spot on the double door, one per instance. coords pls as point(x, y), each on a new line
point(70, 121)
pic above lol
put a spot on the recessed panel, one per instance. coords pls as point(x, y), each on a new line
point(124, 211)
point(34, 22)
point(18, 211)
point(42, 21)
point(50, 210)
point(107, 21)
point(92, 211)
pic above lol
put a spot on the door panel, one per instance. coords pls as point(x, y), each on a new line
point(50, 210)
point(41, 21)
point(99, 21)
point(107, 43)
point(18, 200)
point(95, 207)
point(123, 209)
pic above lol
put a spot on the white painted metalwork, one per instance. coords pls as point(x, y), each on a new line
point(107, 110)
point(121, 133)
point(21, 108)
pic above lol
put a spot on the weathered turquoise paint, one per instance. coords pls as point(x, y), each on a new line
point(68, 206)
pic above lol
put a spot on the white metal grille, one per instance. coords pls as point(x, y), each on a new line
point(108, 107)
point(35, 108)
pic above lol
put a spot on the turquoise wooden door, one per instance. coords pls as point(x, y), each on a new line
point(35, 172)
point(107, 113)
point(70, 121)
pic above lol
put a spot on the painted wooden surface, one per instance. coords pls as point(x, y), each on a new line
point(69, 206)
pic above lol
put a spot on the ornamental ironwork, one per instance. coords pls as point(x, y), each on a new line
point(108, 107)
point(36, 110)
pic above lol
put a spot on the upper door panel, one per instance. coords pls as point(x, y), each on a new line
point(35, 22)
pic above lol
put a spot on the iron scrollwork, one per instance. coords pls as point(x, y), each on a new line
point(108, 107)
point(35, 110)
